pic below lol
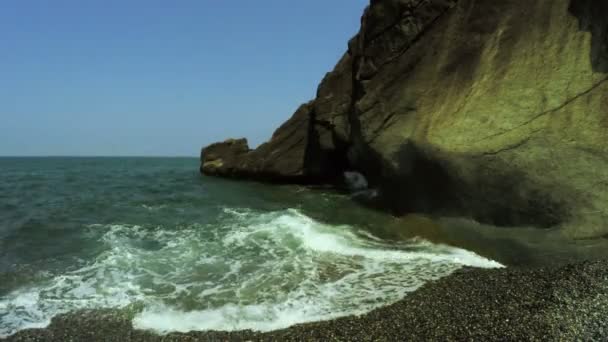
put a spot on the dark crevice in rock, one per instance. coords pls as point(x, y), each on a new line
point(361, 156)
point(325, 165)
point(591, 15)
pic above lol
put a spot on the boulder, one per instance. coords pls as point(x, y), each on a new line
point(224, 158)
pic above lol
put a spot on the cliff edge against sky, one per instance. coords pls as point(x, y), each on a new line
point(494, 110)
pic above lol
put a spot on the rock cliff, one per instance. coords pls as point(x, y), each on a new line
point(494, 110)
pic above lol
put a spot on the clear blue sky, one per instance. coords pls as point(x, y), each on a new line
point(160, 77)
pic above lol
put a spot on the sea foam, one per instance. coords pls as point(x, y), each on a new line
point(258, 271)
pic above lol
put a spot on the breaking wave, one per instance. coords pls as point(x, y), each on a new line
point(259, 271)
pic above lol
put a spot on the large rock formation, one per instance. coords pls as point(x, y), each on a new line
point(495, 110)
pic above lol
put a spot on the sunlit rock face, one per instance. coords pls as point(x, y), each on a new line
point(494, 110)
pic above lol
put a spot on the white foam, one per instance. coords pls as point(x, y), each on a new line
point(239, 212)
point(377, 278)
point(154, 208)
point(257, 271)
point(341, 240)
point(230, 317)
point(107, 282)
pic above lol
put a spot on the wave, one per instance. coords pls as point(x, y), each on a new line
point(258, 271)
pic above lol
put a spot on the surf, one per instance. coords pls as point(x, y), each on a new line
point(249, 269)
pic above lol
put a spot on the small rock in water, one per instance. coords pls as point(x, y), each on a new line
point(355, 181)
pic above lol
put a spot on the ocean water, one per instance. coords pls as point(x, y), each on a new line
point(185, 252)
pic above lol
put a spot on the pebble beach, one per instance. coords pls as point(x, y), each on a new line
point(563, 303)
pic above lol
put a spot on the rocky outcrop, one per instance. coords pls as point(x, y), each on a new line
point(294, 154)
point(495, 110)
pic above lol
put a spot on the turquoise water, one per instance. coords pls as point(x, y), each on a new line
point(188, 252)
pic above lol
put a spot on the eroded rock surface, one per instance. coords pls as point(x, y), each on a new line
point(495, 110)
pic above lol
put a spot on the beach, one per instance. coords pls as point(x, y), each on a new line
point(542, 304)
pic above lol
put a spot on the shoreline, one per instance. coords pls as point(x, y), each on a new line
point(546, 303)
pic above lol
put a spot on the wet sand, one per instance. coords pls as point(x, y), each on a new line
point(533, 304)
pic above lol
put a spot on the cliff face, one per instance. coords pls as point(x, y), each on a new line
point(495, 110)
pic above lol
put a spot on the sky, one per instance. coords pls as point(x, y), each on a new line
point(158, 77)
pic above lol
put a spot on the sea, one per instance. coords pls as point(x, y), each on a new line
point(184, 252)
